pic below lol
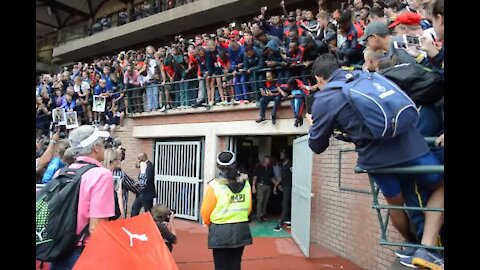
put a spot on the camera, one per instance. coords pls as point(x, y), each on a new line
point(54, 127)
point(108, 143)
point(172, 211)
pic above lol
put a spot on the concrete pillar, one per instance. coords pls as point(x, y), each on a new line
point(209, 161)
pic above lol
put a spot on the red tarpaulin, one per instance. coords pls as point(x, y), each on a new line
point(133, 243)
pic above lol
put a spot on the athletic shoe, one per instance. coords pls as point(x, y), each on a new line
point(407, 262)
point(287, 222)
point(277, 228)
point(246, 101)
point(405, 253)
point(163, 109)
point(261, 119)
point(427, 260)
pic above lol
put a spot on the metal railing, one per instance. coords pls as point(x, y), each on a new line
point(137, 99)
point(418, 169)
point(253, 82)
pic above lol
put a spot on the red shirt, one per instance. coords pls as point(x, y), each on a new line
point(224, 64)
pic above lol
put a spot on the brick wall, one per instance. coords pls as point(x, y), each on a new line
point(343, 221)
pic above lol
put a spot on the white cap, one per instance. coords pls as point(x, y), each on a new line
point(230, 162)
point(93, 137)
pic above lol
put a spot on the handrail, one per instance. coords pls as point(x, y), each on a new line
point(417, 169)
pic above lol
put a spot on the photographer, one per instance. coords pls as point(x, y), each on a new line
point(162, 214)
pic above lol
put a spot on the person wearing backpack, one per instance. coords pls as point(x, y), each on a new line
point(400, 144)
point(92, 186)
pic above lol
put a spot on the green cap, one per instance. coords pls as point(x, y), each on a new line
point(375, 28)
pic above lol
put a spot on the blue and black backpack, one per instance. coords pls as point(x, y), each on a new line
point(382, 106)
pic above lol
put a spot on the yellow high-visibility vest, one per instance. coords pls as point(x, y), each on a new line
point(231, 207)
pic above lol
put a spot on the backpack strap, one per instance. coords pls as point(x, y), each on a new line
point(83, 235)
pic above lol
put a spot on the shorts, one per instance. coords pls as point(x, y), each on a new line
point(390, 184)
point(417, 196)
point(121, 104)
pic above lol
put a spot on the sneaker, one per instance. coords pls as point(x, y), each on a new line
point(296, 123)
point(427, 260)
point(405, 253)
point(242, 101)
point(236, 102)
point(277, 228)
point(261, 119)
point(210, 104)
point(407, 262)
point(300, 121)
point(246, 101)
point(287, 222)
point(163, 109)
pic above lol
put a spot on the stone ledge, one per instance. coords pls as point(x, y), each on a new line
point(213, 109)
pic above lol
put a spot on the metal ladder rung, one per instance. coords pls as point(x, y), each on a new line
point(383, 206)
point(417, 169)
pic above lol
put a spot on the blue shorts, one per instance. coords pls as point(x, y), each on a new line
point(391, 184)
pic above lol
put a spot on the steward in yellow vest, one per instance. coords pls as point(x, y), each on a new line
point(225, 209)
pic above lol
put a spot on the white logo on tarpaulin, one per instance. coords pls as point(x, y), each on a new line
point(39, 234)
point(379, 87)
point(141, 237)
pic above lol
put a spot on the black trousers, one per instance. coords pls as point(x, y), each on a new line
point(286, 204)
point(139, 203)
point(228, 258)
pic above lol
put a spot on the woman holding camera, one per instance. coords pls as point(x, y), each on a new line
point(162, 214)
point(225, 209)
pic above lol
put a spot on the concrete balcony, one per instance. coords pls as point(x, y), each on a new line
point(174, 21)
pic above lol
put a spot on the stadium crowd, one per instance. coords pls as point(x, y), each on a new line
point(268, 58)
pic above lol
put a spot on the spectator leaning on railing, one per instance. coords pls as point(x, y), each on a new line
point(331, 110)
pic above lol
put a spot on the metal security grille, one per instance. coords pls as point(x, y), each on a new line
point(177, 176)
point(302, 193)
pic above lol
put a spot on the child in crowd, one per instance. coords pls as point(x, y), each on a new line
point(112, 117)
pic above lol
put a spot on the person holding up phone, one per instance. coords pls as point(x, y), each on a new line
point(405, 41)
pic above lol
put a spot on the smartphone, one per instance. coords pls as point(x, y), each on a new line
point(399, 45)
point(412, 40)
